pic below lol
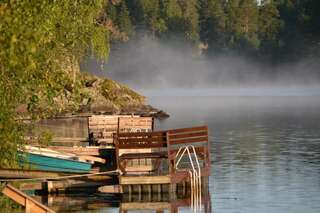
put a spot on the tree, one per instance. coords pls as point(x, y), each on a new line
point(123, 19)
point(270, 25)
point(172, 14)
point(37, 38)
point(151, 11)
point(242, 24)
point(300, 33)
point(190, 16)
point(213, 24)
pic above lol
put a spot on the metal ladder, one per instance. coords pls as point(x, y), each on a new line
point(195, 174)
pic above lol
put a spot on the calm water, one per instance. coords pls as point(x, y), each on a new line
point(265, 152)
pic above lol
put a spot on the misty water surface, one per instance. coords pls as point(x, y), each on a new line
point(265, 150)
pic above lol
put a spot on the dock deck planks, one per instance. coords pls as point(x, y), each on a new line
point(152, 179)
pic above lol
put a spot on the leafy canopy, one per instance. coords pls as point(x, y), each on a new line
point(37, 38)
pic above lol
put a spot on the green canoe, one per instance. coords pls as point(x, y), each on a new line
point(49, 163)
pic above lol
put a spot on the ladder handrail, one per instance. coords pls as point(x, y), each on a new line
point(195, 176)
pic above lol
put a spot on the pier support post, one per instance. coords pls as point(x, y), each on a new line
point(173, 191)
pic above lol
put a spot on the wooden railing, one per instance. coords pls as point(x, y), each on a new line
point(164, 145)
point(140, 145)
point(30, 204)
point(196, 138)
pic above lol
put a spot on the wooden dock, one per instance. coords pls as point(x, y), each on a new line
point(162, 146)
point(144, 162)
point(143, 179)
point(27, 174)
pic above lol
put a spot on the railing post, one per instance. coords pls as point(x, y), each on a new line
point(170, 164)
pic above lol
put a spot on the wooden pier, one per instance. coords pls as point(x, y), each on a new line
point(163, 147)
point(142, 161)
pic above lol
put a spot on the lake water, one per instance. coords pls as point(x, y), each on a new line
point(265, 152)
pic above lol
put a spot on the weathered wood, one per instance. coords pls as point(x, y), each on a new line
point(140, 139)
point(190, 129)
point(198, 149)
point(57, 185)
point(142, 145)
point(91, 158)
point(107, 141)
point(78, 150)
point(101, 127)
point(188, 135)
point(145, 134)
point(170, 141)
point(60, 139)
point(141, 169)
point(143, 155)
point(30, 186)
point(31, 205)
point(69, 139)
point(195, 136)
point(125, 140)
point(20, 173)
point(114, 189)
point(134, 180)
point(127, 143)
point(190, 140)
point(144, 206)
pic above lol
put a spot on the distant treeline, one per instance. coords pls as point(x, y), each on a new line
point(272, 30)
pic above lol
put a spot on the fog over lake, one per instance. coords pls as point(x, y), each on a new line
point(264, 120)
point(265, 150)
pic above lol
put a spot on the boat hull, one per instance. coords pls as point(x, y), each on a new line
point(47, 163)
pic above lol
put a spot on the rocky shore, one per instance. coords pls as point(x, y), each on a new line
point(89, 95)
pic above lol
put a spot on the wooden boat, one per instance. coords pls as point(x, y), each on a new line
point(36, 158)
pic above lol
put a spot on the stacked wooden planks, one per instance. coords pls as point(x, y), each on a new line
point(135, 124)
point(102, 127)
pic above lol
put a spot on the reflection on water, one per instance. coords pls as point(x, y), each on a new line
point(146, 202)
point(265, 152)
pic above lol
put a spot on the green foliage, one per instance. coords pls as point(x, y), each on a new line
point(246, 26)
point(172, 14)
point(36, 38)
point(269, 21)
point(41, 43)
point(151, 10)
point(9, 206)
point(172, 9)
point(242, 24)
point(301, 31)
point(118, 94)
point(191, 19)
point(119, 16)
point(213, 24)
point(123, 19)
point(264, 28)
